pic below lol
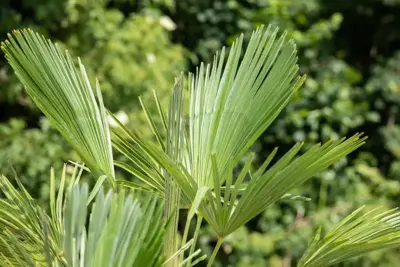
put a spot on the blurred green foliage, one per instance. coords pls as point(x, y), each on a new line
point(350, 51)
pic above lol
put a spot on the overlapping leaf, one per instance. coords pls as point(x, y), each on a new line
point(267, 185)
point(121, 230)
point(231, 104)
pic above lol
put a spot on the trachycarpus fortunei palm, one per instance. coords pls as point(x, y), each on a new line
point(189, 164)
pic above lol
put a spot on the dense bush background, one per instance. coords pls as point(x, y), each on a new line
point(350, 51)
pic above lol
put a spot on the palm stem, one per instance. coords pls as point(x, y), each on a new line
point(196, 235)
point(214, 254)
point(185, 233)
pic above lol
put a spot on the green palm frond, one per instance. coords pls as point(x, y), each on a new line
point(233, 103)
point(267, 187)
point(141, 164)
point(355, 235)
point(64, 94)
point(174, 149)
point(190, 163)
point(230, 105)
point(121, 230)
point(28, 236)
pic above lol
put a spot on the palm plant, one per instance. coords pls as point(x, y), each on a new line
point(189, 164)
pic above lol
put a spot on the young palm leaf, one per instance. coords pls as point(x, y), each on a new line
point(121, 230)
point(231, 104)
point(354, 236)
point(64, 94)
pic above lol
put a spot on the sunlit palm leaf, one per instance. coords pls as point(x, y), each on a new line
point(354, 236)
point(65, 96)
point(268, 186)
point(232, 103)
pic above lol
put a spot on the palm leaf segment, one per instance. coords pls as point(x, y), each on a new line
point(22, 224)
point(355, 235)
point(123, 229)
point(230, 105)
point(64, 95)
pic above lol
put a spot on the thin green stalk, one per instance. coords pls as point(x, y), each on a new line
point(214, 254)
point(196, 235)
point(185, 233)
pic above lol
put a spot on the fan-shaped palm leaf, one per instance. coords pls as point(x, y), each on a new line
point(230, 105)
point(64, 95)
